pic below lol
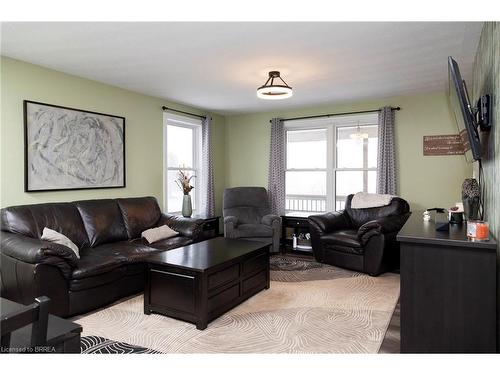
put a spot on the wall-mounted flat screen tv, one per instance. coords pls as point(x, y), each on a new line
point(462, 110)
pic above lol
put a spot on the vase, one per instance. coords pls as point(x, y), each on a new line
point(187, 207)
point(471, 198)
point(471, 208)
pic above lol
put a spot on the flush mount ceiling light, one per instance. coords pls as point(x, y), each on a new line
point(273, 91)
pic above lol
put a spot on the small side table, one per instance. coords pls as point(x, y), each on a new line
point(63, 336)
point(210, 226)
point(298, 225)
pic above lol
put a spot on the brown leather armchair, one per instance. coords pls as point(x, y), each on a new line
point(360, 239)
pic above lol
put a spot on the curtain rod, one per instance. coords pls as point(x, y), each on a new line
point(336, 114)
point(186, 113)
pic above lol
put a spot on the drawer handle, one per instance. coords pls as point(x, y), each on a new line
point(173, 274)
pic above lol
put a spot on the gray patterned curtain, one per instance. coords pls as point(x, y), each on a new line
point(276, 178)
point(207, 180)
point(386, 163)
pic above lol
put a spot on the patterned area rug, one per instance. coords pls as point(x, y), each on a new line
point(310, 308)
point(100, 345)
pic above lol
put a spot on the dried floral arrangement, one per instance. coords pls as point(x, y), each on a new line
point(183, 180)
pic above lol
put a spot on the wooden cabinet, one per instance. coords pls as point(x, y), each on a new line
point(210, 226)
point(299, 226)
point(448, 290)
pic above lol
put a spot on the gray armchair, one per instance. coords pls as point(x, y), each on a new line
point(247, 215)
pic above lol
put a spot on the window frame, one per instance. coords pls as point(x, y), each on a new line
point(170, 119)
point(331, 124)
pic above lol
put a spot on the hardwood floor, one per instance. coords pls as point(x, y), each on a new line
point(392, 339)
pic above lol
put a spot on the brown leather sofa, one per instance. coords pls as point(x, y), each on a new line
point(107, 232)
point(360, 239)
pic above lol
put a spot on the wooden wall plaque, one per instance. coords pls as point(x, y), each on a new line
point(450, 144)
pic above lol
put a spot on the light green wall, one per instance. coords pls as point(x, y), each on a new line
point(240, 143)
point(144, 117)
point(425, 181)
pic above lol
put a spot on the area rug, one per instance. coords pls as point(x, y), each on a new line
point(310, 308)
point(100, 345)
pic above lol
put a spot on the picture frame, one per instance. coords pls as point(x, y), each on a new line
point(72, 149)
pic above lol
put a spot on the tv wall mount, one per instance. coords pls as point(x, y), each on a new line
point(481, 111)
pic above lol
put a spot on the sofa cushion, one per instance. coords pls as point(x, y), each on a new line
point(29, 220)
point(253, 230)
point(95, 261)
point(103, 221)
point(107, 277)
point(139, 214)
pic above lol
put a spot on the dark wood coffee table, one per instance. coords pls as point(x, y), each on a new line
point(200, 282)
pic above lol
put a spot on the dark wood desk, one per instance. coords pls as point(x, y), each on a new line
point(200, 282)
point(63, 336)
point(448, 290)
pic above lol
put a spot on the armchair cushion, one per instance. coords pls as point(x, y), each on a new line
point(253, 230)
point(346, 237)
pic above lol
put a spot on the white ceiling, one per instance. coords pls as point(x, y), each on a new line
point(218, 66)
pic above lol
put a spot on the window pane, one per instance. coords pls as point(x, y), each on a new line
point(179, 147)
point(355, 152)
point(372, 181)
point(372, 152)
point(175, 194)
point(306, 183)
point(352, 182)
point(306, 191)
point(306, 148)
point(347, 182)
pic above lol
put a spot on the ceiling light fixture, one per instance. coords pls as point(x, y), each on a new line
point(358, 134)
point(272, 91)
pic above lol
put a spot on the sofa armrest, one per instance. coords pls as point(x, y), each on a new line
point(271, 220)
point(328, 222)
point(186, 226)
point(35, 251)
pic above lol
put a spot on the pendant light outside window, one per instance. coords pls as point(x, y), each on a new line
point(274, 91)
point(359, 134)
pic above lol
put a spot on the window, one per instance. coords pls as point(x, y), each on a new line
point(328, 159)
point(181, 151)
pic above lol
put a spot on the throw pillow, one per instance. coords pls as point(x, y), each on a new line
point(53, 236)
point(157, 234)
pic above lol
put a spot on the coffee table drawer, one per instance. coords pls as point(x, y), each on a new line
point(172, 290)
point(254, 264)
point(223, 298)
point(224, 276)
point(257, 281)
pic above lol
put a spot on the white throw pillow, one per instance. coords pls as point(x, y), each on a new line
point(61, 239)
point(160, 233)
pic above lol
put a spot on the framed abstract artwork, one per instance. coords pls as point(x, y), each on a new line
point(69, 149)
